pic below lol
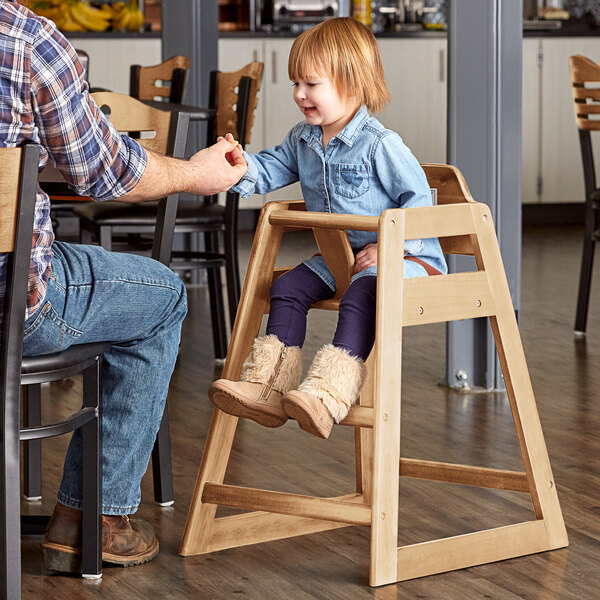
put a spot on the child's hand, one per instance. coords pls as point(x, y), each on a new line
point(366, 258)
point(236, 151)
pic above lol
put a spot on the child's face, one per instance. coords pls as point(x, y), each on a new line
point(321, 104)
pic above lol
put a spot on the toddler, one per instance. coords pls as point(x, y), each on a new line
point(346, 162)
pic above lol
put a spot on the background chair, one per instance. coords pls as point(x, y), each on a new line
point(147, 83)
point(587, 104)
point(169, 130)
point(17, 203)
point(234, 96)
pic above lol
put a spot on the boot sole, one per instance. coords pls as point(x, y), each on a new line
point(67, 559)
point(296, 409)
point(232, 405)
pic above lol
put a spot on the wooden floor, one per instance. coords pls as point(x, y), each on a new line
point(438, 424)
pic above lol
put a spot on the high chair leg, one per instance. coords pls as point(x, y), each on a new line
point(519, 389)
point(254, 300)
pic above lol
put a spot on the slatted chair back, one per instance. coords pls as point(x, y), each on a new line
point(224, 98)
point(130, 115)
point(167, 131)
point(585, 82)
point(585, 85)
point(147, 83)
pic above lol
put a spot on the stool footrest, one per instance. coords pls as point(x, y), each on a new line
point(340, 509)
point(513, 481)
point(471, 549)
point(257, 527)
point(359, 416)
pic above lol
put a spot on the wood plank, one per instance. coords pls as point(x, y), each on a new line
point(438, 221)
point(257, 527)
point(329, 509)
point(359, 416)
point(323, 220)
point(387, 396)
point(459, 244)
point(460, 552)
point(464, 474)
point(338, 256)
point(447, 298)
point(363, 436)
point(10, 158)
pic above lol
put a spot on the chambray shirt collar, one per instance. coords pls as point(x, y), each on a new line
point(348, 135)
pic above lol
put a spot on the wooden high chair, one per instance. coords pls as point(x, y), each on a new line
point(464, 227)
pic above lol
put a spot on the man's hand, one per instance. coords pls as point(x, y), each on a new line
point(366, 258)
point(219, 167)
point(212, 170)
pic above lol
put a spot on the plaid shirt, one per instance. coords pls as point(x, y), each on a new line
point(44, 99)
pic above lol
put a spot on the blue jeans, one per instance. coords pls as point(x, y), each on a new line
point(137, 304)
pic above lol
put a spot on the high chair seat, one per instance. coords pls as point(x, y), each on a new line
point(463, 227)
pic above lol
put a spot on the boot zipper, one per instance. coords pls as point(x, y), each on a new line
point(264, 394)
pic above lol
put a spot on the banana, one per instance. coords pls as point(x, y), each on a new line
point(136, 21)
point(91, 19)
point(122, 19)
point(67, 22)
point(44, 9)
point(106, 10)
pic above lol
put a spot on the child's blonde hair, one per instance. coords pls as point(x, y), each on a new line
point(346, 52)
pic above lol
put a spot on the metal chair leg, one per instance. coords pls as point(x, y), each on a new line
point(32, 449)
point(162, 471)
point(217, 312)
point(92, 480)
point(587, 263)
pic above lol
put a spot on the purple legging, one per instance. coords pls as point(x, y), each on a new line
point(293, 293)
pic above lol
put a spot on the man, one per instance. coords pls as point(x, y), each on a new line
point(79, 294)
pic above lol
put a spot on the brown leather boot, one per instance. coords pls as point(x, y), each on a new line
point(270, 370)
point(125, 541)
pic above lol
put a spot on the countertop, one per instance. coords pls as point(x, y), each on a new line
point(568, 28)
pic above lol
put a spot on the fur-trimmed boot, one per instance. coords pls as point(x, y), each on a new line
point(331, 387)
point(271, 369)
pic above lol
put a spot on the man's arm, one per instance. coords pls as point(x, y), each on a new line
point(209, 171)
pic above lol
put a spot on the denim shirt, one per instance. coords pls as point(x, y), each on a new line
point(364, 170)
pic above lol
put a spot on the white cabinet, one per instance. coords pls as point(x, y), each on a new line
point(552, 167)
point(281, 112)
point(109, 59)
point(531, 167)
point(415, 71)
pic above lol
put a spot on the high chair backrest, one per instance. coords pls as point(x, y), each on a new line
point(333, 244)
